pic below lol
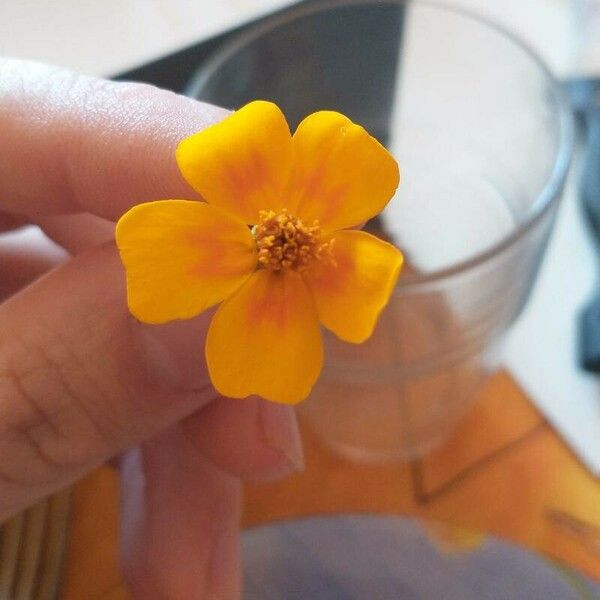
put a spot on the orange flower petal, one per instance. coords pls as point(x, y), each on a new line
point(182, 257)
point(265, 340)
point(342, 176)
point(351, 294)
point(242, 163)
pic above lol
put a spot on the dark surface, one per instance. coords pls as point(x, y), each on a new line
point(174, 71)
point(344, 59)
point(367, 80)
point(585, 99)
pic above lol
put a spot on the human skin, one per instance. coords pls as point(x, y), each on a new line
point(81, 381)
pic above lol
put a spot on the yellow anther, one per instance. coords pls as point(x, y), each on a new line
point(285, 242)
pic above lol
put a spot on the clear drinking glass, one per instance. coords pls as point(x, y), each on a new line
point(483, 138)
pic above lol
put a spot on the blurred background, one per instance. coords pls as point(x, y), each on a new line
point(468, 429)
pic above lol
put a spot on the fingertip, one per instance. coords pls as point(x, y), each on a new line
point(82, 144)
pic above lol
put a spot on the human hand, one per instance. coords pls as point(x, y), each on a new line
point(80, 380)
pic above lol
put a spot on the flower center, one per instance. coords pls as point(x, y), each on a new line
point(285, 242)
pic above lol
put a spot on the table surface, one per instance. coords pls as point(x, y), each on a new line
point(504, 471)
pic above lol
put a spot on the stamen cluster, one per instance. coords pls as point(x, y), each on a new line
point(285, 242)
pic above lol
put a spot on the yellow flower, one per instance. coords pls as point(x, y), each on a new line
point(270, 243)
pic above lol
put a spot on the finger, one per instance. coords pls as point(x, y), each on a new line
point(252, 439)
point(76, 144)
point(179, 523)
point(80, 380)
point(25, 255)
point(9, 222)
point(77, 232)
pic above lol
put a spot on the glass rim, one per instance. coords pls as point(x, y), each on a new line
point(545, 199)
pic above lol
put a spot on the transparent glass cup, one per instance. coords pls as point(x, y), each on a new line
point(483, 137)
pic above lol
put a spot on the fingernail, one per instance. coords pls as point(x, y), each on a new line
point(281, 433)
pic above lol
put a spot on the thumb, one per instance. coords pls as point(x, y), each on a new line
point(80, 380)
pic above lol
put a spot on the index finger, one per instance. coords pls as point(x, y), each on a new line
point(73, 143)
